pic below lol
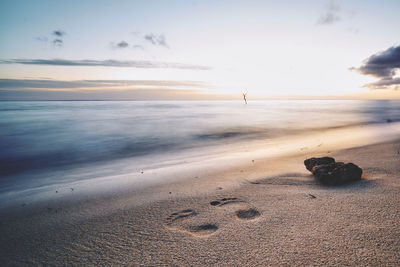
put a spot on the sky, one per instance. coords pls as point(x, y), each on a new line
point(199, 49)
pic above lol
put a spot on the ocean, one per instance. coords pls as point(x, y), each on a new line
point(57, 137)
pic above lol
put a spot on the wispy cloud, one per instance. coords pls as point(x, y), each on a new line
point(384, 65)
point(120, 45)
point(58, 33)
point(105, 63)
point(45, 89)
point(58, 42)
point(55, 38)
point(60, 84)
point(331, 14)
point(156, 39)
point(135, 94)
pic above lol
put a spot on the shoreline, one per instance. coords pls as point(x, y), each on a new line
point(200, 167)
point(287, 225)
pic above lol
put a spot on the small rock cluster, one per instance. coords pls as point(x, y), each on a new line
point(328, 172)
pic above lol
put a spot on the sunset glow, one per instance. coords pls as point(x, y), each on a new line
point(272, 49)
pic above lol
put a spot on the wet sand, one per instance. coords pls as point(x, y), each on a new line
point(266, 212)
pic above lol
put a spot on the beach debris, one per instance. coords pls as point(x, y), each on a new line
point(389, 120)
point(312, 196)
point(56, 191)
point(311, 162)
point(72, 189)
point(244, 97)
point(328, 172)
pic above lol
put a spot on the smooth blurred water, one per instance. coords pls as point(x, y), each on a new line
point(66, 134)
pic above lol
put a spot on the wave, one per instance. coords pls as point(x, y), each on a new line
point(36, 136)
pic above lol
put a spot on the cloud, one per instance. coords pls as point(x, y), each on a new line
point(55, 37)
point(106, 63)
point(58, 33)
point(58, 42)
point(385, 83)
point(122, 44)
point(98, 84)
point(156, 39)
point(119, 45)
point(45, 89)
point(136, 94)
point(331, 14)
point(384, 65)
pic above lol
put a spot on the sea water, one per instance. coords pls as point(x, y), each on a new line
point(46, 137)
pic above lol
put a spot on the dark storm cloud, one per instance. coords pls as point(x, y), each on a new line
point(383, 65)
point(105, 63)
point(331, 14)
point(156, 39)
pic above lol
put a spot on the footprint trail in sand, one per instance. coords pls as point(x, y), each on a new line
point(198, 224)
point(247, 214)
point(241, 209)
point(184, 221)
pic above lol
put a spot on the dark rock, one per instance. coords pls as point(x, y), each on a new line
point(389, 120)
point(326, 167)
point(337, 173)
point(310, 163)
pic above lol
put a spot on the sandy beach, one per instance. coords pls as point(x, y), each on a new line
point(199, 133)
point(264, 212)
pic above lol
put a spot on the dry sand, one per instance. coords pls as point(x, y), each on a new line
point(264, 213)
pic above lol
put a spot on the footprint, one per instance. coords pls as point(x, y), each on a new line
point(247, 214)
point(184, 221)
point(203, 229)
point(180, 215)
point(242, 209)
point(199, 225)
point(225, 201)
